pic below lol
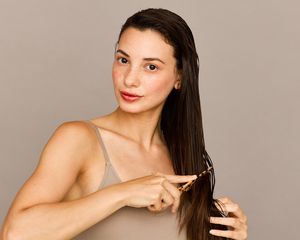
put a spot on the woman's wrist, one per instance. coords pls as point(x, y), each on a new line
point(120, 195)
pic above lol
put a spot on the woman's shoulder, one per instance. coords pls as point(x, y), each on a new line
point(75, 138)
point(78, 132)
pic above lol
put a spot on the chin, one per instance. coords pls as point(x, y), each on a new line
point(130, 108)
point(137, 109)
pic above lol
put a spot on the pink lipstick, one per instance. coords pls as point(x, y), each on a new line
point(130, 97)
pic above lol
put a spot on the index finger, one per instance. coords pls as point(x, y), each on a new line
point(177, 178)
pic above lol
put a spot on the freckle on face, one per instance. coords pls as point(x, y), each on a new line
point(140, 45)
point(116, 73)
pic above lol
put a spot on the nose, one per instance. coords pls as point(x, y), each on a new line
point(131, 78)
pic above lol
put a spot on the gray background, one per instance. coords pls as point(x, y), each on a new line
point(55, 66)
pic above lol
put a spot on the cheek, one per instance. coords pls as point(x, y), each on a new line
point(116, 74)
point(163, 84)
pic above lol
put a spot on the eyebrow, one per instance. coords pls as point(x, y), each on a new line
point(146, 59)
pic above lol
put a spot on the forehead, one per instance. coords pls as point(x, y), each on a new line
point(145, 43)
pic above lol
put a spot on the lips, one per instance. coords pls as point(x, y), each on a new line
point(130, 97)
point(129, 94)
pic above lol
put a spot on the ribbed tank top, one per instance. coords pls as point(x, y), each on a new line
point(129, 223)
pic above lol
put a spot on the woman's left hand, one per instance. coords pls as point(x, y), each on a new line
point(236, 221)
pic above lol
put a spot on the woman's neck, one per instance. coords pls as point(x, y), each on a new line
point(142, 128)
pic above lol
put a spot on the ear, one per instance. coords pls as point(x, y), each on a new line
point(177, 84)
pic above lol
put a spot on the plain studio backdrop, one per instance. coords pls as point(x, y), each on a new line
point(55, 66)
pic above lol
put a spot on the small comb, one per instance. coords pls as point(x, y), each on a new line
point(187, 186)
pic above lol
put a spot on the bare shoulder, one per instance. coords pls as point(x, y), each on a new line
point(72, 131)
point(78, 144)
point(61, 162)
point(73, 141)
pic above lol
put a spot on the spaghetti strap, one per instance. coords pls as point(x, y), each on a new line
point(109, 169)
point(100, 140)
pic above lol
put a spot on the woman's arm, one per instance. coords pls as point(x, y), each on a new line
point(63, 220)
point(37, 211)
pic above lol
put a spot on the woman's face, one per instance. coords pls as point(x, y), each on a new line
point(144, 65)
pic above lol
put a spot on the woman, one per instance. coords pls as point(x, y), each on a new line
point(149, 159)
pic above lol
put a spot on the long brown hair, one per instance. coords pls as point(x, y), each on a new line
point(181, 122)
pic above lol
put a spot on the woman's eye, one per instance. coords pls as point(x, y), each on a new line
point(122, 60)
point(152, 67)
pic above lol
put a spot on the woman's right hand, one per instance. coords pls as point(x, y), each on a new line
point(156, 192)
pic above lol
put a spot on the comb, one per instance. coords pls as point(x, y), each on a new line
point(187, 186)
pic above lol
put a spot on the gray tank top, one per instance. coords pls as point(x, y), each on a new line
point(129, 223)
